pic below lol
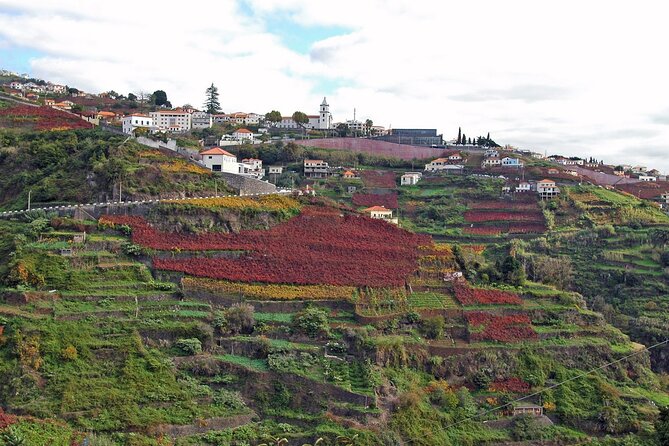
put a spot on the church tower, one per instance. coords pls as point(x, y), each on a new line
point(325, 118)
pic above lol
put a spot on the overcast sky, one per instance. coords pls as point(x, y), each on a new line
point(582, 78)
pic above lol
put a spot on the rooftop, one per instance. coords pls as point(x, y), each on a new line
point(216, 151)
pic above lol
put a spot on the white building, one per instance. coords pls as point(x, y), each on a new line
point(242, 134)
point(547, 189)
point(218, 160)
point(171, 120)
point(491, 161)
point(491, 152)
point(647, 178)
point(136, 120)
point(511, 162)
point(437, 164)
point(321, 121)
point(16, 85)
point(276, 170)
point(410, 178)
point(523, 186)
point(380, 213)
point(201, 120)
point(316, 169)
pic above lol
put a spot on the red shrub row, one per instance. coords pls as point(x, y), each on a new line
point(482, 230)
point(6, 419)
point(467, 295)
point(378, 178)
point(527, 228)
point(511, 385)
point(490, 327)
point(480, 216)
point(313, 248)
point(389, 201)
point(504, 205)
point(43, 118)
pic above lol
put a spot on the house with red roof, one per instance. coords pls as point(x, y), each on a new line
point(242, 134)
point(547, 189)
point(379, 212)
point(219, 160)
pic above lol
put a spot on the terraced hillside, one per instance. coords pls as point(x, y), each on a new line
point(238, 321)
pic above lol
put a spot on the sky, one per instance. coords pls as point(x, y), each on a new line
point(579, 78)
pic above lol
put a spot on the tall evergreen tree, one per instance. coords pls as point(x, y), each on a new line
point(211, 104)
point(464, 139)
point(459, 141)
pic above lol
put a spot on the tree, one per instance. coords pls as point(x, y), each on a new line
point(301, 119)
point(463, 141)
point(132, 97)
point(159, 98)
point(512, 271)
point(240, 319)
point(273, 117)
point(342, 130)
point(211, 103)
point(143, 96)
point(459, 140)
point(368, 125)
point(311, 321)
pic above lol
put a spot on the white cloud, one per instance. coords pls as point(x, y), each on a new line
point(582, 78)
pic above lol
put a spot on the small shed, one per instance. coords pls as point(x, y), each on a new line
point(529, 409)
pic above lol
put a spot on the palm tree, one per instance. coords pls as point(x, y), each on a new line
point(275, 441)
point(347, 441)
point(316, 443)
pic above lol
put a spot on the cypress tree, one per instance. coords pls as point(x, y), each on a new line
point(459, 141)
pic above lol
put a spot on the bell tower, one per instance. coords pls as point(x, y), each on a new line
point(325, 119)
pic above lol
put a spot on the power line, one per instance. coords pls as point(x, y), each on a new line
point(478, 415)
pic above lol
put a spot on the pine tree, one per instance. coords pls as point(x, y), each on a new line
point(464, 139)
point(459, 141)
point(211, 104)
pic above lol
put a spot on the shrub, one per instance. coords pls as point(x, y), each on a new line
point(69, 353)
point(190, 346)
point(433, 327)
point(312, 322)
point(240, 319)
point(526, 427)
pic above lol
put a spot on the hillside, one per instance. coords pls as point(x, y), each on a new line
point(358, 334)
point(482, 319)
point(84, 166)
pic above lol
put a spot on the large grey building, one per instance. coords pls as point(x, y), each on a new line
point(415, 137)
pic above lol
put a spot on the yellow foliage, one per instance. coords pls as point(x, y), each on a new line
point(70, 353)
point(549, 406)
point(264, 203)
point(150, 153)
point(181, 166)
point(270, 292)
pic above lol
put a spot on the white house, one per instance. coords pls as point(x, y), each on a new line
point(252, 166)
point(316, 168)
point(491, 161)
point(255, 163)
point(490, 153)
point(380, 213)
point(219, 160)
point(410, 178)
point(511, 162)
point(16, 85)
point(276, 170)
point(547, 189)
point(136, 120)
point(242, 134)
point(455, 157)
point(55, 88)
point(437, 164)
point(172, 120)
point(523, 186)
point(647, 178)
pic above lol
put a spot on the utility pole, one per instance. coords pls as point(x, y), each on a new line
point(29, 193)
point(120, 191)
point(216, 186)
